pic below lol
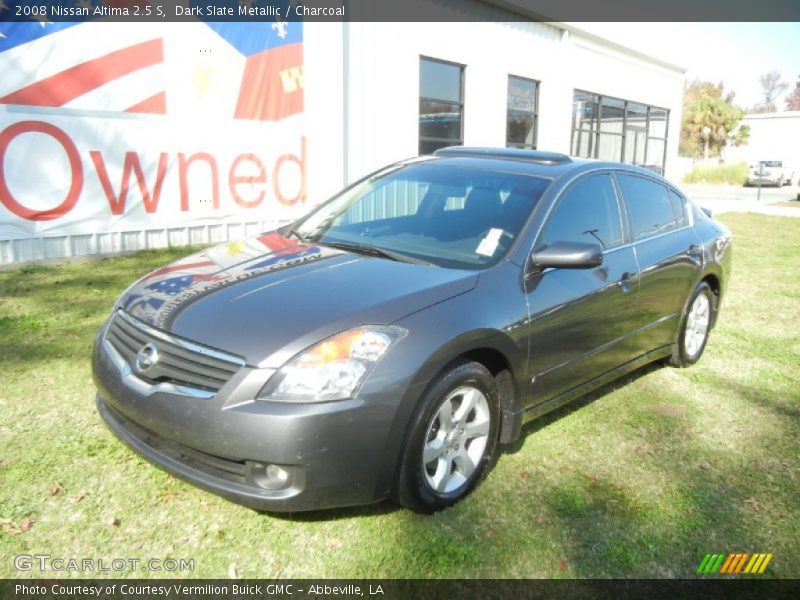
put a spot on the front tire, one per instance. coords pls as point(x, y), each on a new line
point(451, 440)
point(695, 327)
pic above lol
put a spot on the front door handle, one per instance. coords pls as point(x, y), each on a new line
point(626, 281)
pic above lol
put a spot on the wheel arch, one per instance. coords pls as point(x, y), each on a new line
point(502, 358)
point(715, 283)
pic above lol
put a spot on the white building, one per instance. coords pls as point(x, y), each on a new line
point(404, 88)
point(773, 136)
point(83, 178)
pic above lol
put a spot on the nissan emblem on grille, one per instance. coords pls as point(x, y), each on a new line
point(146, 358)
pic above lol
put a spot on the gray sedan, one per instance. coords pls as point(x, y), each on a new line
point(386, 344)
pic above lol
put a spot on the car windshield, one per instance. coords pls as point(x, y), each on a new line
point(772, 163)
point(446, 215)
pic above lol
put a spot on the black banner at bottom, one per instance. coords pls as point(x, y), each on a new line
point(390, 589)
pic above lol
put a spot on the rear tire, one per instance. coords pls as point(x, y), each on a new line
point(695, 327)
point(451, 440)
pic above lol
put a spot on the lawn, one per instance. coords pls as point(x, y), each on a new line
point(640, 479)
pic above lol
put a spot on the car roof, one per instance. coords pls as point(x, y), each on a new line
point(551, 165)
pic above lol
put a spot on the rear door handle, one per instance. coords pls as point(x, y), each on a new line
point(626, 281)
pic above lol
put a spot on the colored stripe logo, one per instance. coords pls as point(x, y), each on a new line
point(734, 563)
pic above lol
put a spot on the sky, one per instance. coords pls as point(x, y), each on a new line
point(735, 53)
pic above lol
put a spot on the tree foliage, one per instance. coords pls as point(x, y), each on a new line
point(793, 99)
point(772, 86)
point(706, 105)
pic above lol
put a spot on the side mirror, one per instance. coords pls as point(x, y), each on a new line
point(568, 255)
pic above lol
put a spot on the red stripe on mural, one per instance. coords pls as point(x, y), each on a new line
point(183, 267)
point(156, 104)
point(272, 85)
point(276, 242)
point(63, 87)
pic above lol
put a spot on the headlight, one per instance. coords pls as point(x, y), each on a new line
point(333, 368)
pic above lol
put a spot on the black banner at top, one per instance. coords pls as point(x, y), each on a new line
point(44, 11)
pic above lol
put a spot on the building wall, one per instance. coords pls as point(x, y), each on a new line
point(773, 136)
point(380, 83)
point(361, 83)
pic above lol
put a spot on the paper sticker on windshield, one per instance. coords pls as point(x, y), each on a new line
point(488, 245)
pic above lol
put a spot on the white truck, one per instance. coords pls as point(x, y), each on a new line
point(769, 172)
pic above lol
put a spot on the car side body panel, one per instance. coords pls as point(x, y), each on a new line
point(580, 323)
point(668, 267)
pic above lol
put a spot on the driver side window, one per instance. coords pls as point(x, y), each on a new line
point(587, 212)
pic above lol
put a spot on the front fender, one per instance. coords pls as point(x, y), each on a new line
point(488, 322)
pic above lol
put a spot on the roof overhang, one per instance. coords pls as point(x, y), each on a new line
point(524, 9)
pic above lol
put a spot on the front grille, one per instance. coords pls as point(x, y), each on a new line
point(180, 362)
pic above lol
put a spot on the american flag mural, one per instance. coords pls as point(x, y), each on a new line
point(249, 70)
point(156, 296)
point(112, 127)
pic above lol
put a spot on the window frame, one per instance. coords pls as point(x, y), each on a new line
point(689, 222)
point(594, 131)
point(535, 113)
point(460, 104)
point(621, 209)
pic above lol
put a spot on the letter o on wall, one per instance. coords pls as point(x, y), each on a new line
point(76, 170)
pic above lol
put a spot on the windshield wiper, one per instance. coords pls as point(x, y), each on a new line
point(297, 234)
point(375, 251)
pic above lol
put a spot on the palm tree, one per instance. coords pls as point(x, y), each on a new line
point(708, 123)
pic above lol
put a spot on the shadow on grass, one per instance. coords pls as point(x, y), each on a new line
point(376, 509)
point(52, 312)
point(569, 408)
point(708, 492)
point(677, 498)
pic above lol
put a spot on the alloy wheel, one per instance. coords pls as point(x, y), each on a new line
point(697, 322)
point(456, 440)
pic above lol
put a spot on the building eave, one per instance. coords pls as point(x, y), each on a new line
point(519, 7)
point(788, 114)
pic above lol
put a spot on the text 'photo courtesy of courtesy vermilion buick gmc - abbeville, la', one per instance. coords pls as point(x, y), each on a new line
point(387, 344)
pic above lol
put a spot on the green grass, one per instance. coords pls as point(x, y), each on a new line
point(734, 174)
point(640, 479)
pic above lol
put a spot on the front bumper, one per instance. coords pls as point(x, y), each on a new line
point(335, 452)
point(764, 180)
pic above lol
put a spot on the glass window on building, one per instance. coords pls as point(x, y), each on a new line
point(635, 133)
point(619, 130)
point(441, 105)
point(585, 111)
point(656, 138)
point(521, 113)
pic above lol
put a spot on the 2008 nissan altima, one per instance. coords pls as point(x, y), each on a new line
point(388, 342)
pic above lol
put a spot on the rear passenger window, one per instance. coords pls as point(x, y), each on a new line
point(649, 206)
point(588, 212)
point(679, 208)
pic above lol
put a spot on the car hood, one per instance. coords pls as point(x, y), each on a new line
point(269, 297)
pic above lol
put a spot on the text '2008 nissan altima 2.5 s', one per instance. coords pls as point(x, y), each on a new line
point(387, 343)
